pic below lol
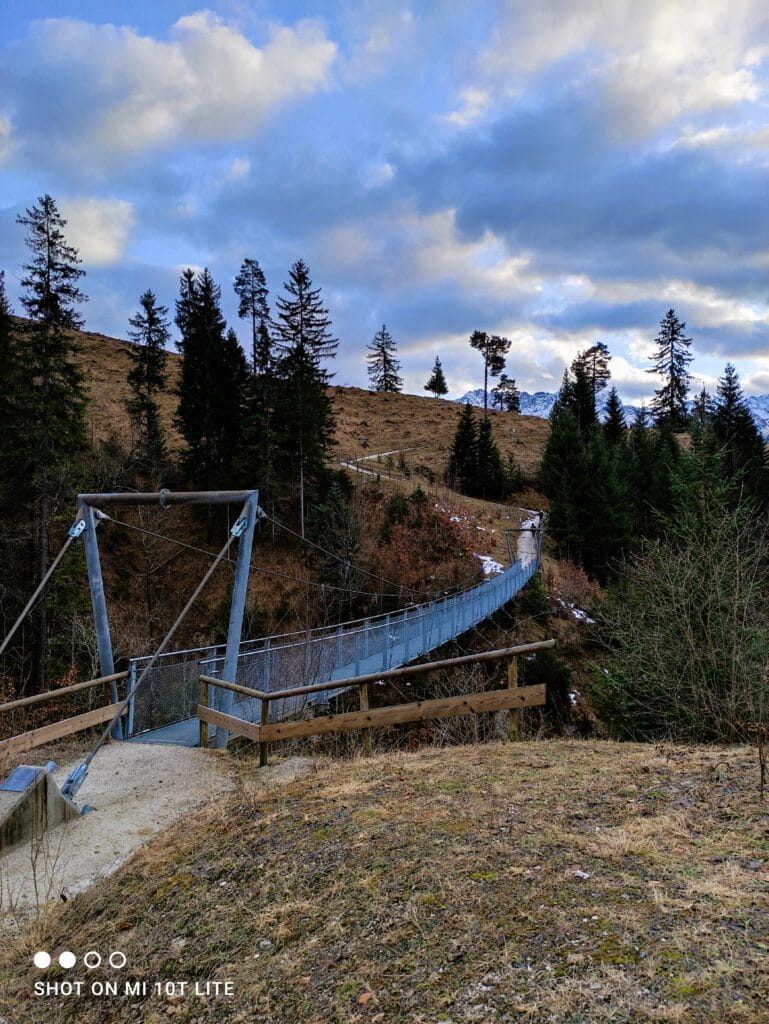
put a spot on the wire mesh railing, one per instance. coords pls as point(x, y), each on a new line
point(171, 690)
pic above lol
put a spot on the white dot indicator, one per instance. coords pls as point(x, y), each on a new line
point(117, 959)
point(92, 959)
point(41, 959)
point(67, 959)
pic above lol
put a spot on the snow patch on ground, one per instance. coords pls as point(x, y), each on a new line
point(578, 613)
point(490, 565)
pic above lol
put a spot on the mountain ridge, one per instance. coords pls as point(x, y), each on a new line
point(540, 404)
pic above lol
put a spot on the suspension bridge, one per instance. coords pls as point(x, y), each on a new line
point(162, 692)
point(163, 709)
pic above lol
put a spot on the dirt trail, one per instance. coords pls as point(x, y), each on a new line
point(136, 790)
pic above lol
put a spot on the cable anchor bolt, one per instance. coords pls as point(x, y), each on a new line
point(239, 526)
point(76, 529)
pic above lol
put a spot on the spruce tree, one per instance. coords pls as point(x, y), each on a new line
point(251, 289)
point(211, 383)
point(462, 463)
point(303, 409)
point(671, 360)
point(595, 364)
point(576, 395)
point(437, 382)
point(493, 348)
point(334, 526)
point(490, 480)
point(589, 516)
point(562, 475)
point(505, 395)
point(704, 408)
point(383, 363)
point(51, 403)
point(150, 332)
point(9, 383)
point(614, 426)
point(736, 432)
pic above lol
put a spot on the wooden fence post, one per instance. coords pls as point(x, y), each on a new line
point(514, 724)
point(366, 733)
point(265, 719)
point(204, 701)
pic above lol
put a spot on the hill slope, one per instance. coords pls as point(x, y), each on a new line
point(549, 882)
point(367, 422)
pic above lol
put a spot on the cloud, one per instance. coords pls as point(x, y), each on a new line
point(121, 92)
point(652, 60)
point(98, 228)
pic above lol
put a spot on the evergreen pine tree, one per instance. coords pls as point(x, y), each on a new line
point(437, 382)
point(562, 477)
point(493, 348)
point(735, 430)
point(595, 364)
point(150, 333)
point(576, 395)
point(251, 289)
point(589, 516)
point(505, 395)
point(51, 403)
point(383, 364)
point(9, 383)
point(704, 408)
point(210, 383)
point(615, 426)
point(604, 509)
point(304, 412)
point(490, 480)
point(671, 359)
point(333, 525)
point(462, 463)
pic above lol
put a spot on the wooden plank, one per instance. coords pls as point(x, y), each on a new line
point(364, 706)
point(265, 720)
point(63, 691)
point(443, 707)
point(48, 733)
point(514, 724)
point(238, 726)
point(390, 673)
point(235, 687)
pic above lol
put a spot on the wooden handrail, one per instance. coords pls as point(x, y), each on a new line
point(391, 673)
point(38, 698)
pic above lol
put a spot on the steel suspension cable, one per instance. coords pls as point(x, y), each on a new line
point(38, 590)
point(254, 568)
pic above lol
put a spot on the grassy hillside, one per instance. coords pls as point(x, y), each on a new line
point(417, 429)
point(550, 882)
point(367, 423)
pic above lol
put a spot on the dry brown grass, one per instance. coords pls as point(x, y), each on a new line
point(443, 886)
point(387, 422)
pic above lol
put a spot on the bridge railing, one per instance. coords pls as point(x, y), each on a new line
point(171, 691)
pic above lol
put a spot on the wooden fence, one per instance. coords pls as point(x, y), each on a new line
point(67, 726)
point(511, 699)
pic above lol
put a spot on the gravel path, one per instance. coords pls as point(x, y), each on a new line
point(136, 790)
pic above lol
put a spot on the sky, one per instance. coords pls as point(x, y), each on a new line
point(560, 172)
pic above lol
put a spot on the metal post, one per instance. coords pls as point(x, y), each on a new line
point(237, 609)
point(130, 688)
point(204, 697)
point(99, 605)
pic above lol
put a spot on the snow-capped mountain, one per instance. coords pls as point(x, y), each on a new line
point(541, 403)
point(759, 410)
